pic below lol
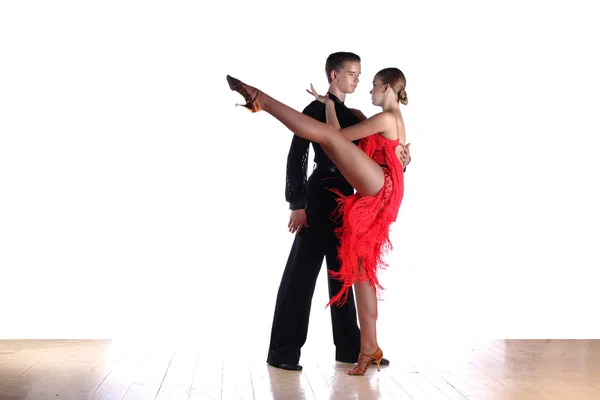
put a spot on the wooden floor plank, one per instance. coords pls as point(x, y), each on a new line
point(92, 375)
point(117, 382)
point(66, 368)
point(134, 370)
point(151, 377)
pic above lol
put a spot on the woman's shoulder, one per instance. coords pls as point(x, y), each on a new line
point(385, 116)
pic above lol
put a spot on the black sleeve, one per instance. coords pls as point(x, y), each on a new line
point(297, 163)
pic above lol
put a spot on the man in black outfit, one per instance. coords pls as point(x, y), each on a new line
point(312, 203)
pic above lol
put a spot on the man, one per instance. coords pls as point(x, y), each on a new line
point(312, 203)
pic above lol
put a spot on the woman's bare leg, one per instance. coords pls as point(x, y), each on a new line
point(366, 305)
point(364, 174)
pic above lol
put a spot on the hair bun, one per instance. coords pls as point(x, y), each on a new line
point(402, 97)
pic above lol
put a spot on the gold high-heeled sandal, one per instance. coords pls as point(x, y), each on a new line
point(365, 360)
point(241, 88)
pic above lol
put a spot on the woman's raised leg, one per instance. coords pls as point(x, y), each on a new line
point(364, 174)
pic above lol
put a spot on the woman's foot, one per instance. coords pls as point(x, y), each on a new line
point(364, 360)
point(250, 93)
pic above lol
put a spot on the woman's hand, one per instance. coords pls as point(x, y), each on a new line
point(323, 99)
point(403, 154)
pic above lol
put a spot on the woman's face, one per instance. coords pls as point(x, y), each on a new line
point(377, 92)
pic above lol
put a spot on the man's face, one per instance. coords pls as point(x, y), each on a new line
point(346, 79)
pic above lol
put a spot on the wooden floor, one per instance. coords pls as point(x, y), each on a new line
point(128, 369)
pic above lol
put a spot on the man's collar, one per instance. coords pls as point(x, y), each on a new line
point(334, 98)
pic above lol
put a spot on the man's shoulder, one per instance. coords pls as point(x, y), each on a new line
point(314, 107)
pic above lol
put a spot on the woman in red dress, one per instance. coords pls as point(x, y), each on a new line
point(376, 173)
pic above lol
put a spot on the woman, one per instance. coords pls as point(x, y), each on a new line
point(376, 173)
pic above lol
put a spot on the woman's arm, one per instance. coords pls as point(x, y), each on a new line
point(378, 123)
point(330, 115)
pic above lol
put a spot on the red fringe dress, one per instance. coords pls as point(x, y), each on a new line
point(364, 233)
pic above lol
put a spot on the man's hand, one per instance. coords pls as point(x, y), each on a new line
point(361, 117)
point(404, 155)
point(297, 221)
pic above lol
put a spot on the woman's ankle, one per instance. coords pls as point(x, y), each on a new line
point(369, 348)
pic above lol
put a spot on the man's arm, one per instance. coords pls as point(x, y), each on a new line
point(358, 114)
point(296, 172)
point(297, 162)
point(295, 184)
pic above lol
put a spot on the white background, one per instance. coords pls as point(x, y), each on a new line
point(135, 198)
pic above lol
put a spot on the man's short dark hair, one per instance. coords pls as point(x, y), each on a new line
point(335, 62)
